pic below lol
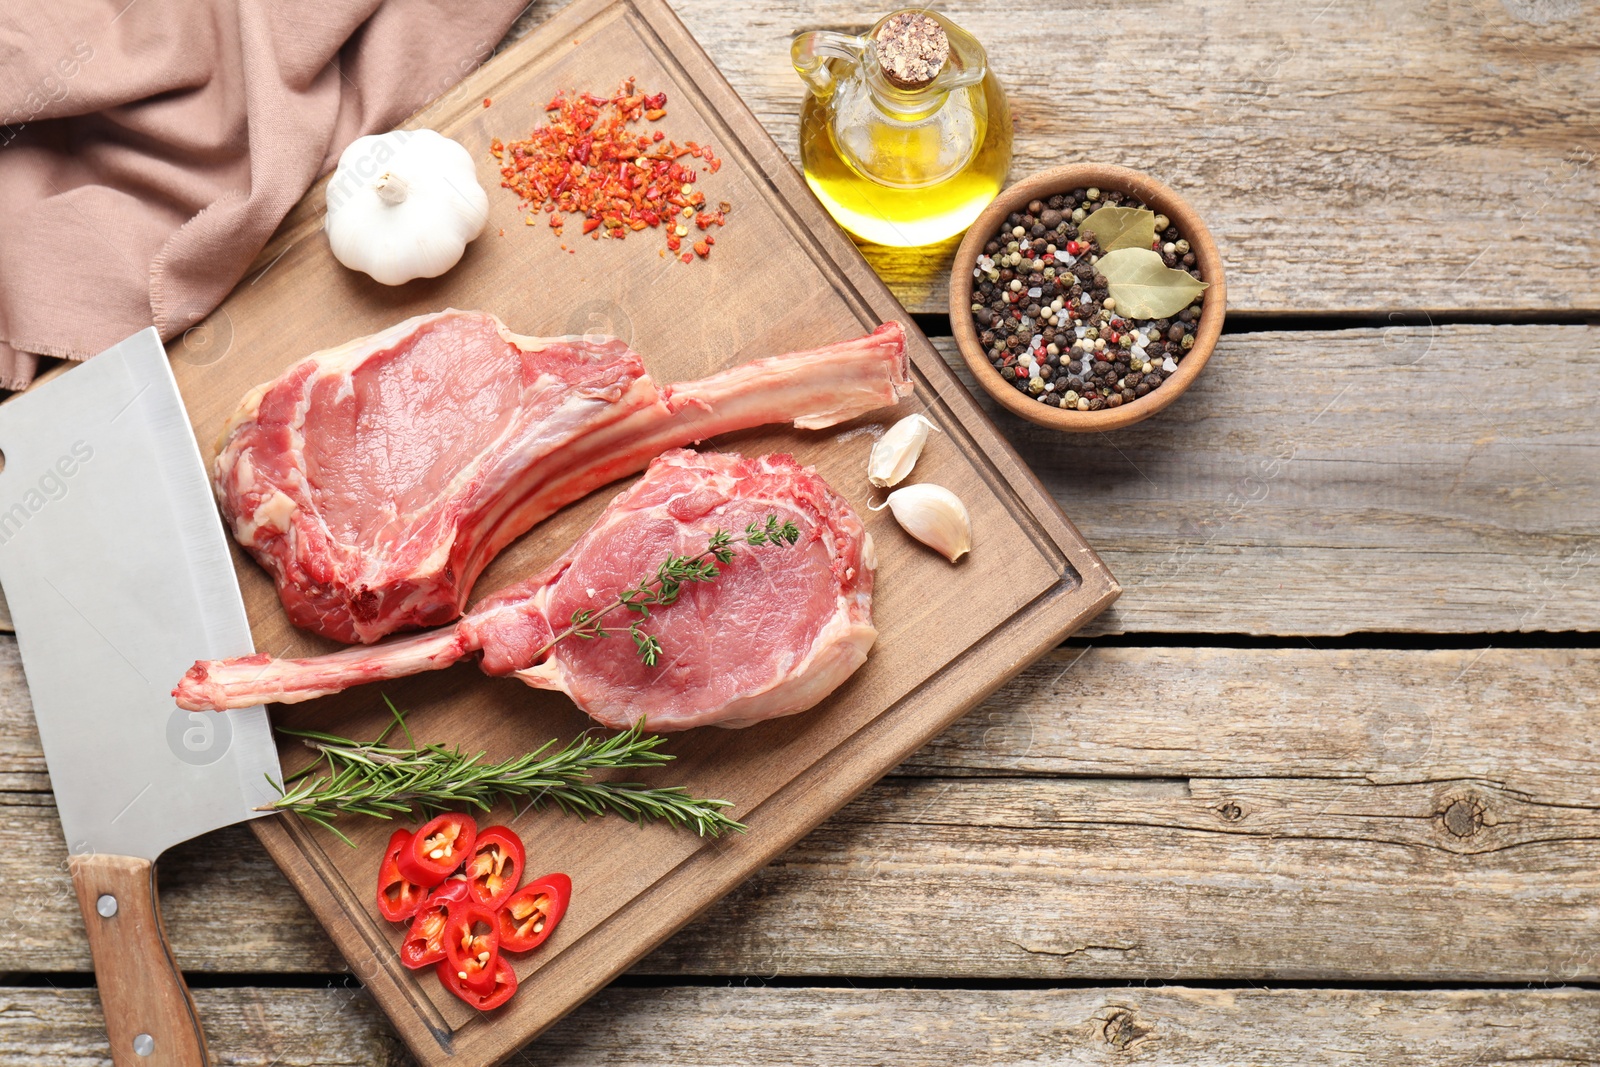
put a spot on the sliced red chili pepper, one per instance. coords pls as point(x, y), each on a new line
point(495, 869)
point(438, 848)
point(424, 943)
point(472, 945)
point(533, 912)
point(505, 984)
point(398, 896)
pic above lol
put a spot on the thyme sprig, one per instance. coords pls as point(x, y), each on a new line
point(672, 574)
point(383, 780)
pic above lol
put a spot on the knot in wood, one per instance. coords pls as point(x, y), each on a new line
point(912, 48)
point(1463, 817)
point(1123, 1029)
point(1230, 811)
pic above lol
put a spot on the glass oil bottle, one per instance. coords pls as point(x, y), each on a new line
point(905, 135)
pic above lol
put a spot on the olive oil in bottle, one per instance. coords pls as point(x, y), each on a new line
point(905, 135)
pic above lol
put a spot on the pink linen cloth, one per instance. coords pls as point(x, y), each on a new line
point(149, 149)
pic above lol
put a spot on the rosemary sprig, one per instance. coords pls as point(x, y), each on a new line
point(382, 780)
point(672, 574)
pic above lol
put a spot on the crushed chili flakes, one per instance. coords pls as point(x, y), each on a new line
point(587, 161)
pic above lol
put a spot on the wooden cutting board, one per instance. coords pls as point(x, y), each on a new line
point(782, 277)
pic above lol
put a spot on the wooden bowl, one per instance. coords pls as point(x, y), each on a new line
point(1042, 186)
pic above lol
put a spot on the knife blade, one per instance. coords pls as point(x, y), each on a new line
point(117, 571)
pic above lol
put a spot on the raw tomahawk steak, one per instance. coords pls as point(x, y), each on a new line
point(778, 630)
point(376, 480)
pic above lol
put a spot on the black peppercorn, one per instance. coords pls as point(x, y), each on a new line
point(1107, 378)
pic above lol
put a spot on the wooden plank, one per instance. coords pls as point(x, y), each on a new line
point(1350, 480)
point(1138, 813)
point(1330, 482)
point(1358, 171)
point(1002, 607)
point(695, 1026)
point(1306, 471)
point(1514, 717)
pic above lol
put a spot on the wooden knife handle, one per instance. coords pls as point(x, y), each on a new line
point(150, 1016)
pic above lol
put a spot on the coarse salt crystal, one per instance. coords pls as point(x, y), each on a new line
point(1168, 365)
point(1036, 292)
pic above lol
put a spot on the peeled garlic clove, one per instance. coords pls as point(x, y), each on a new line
point(896, 452)
point(933, 515)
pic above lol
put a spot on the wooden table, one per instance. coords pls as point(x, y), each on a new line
point(1324, 786)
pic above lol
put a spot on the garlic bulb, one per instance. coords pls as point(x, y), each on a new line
point(404, 205)
point(933, 515)
point(895, 453)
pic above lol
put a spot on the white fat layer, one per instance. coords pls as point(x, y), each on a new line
point(273, 514)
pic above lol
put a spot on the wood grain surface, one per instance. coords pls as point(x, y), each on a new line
point(946, 637)
point(1353, 156)
point(1330, 482)
point(840, 1027)
point(1161, 814)
point(1122, 812)
point(149, 1015)
point(1338, 481)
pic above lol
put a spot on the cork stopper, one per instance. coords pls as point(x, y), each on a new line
point(912, 49)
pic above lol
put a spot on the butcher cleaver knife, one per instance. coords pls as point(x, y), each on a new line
point(116, 568)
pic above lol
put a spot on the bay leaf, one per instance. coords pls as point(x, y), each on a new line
point(1121, 227)
point(1143, 286)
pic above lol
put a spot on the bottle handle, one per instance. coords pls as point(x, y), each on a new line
point(971, 63)
point(810, 51)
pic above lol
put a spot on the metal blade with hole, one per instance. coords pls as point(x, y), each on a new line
point(116, 568)
point(117, 572)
